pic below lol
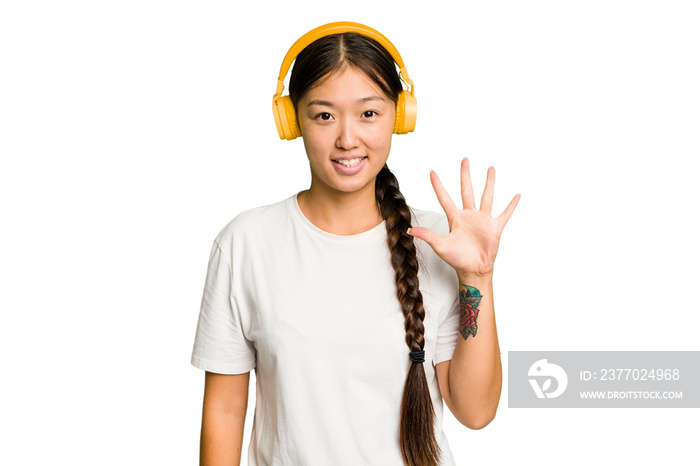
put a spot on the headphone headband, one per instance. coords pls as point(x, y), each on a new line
point(339, 28)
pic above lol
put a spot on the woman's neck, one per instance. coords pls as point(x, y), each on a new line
point(341, 213)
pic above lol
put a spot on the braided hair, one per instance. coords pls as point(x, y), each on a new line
point(320, 59)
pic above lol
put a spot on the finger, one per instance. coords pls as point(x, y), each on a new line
point(426, 235)
point(445, 200)
point(467, 190)
point(487, 197)
point(505, 215)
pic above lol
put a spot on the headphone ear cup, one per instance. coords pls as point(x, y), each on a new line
point(406, 113)
point(286, 118)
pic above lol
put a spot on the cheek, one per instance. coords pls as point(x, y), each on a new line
point(381, 139)
point(314, 142)
point(383, 135)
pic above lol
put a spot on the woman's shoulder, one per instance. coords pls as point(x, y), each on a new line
point(254, 221)
point(435, 271)
point(428, 219)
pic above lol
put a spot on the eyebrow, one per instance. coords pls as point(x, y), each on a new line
point(330, 104)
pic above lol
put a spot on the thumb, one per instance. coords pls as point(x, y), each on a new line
point(426, 235)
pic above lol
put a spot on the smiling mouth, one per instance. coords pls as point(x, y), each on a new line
point(350, 162)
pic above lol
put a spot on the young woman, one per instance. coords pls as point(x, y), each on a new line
point(356, 331)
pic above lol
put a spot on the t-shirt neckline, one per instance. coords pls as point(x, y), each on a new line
point(369, 235)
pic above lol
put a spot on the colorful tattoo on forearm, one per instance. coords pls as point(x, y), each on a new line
point(469, 299)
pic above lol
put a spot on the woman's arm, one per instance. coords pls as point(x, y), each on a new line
point(471, 382)
point(223, 419)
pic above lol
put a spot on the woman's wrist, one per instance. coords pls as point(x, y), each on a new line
point(473, 278)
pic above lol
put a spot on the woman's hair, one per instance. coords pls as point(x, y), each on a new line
point(316, 62)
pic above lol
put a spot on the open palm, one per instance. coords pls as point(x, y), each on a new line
point(472, 243)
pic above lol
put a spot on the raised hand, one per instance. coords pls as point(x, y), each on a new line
point(472, 243)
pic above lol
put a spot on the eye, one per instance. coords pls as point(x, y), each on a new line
point(369, 114)
point(325, 116)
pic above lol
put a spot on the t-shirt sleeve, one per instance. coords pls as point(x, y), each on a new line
point(445, 287)
point(220, 344)
point(448, 330)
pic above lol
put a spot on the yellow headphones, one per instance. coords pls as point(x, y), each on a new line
point(283, 109)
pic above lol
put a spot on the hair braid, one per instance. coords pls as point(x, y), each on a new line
point(419, 446)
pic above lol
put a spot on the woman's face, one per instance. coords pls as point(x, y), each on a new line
point(346, 123)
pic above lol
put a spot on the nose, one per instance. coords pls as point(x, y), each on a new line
point(348, 137)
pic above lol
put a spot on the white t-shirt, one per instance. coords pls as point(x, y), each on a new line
point(316, 315)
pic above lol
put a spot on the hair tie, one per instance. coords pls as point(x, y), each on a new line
point(417, 356)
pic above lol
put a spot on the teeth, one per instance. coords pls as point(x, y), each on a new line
point(351, 162)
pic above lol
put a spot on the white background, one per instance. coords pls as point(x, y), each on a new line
point(132, 131)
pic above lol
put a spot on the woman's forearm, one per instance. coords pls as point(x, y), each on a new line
point(223, 419)
point(475, 376)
